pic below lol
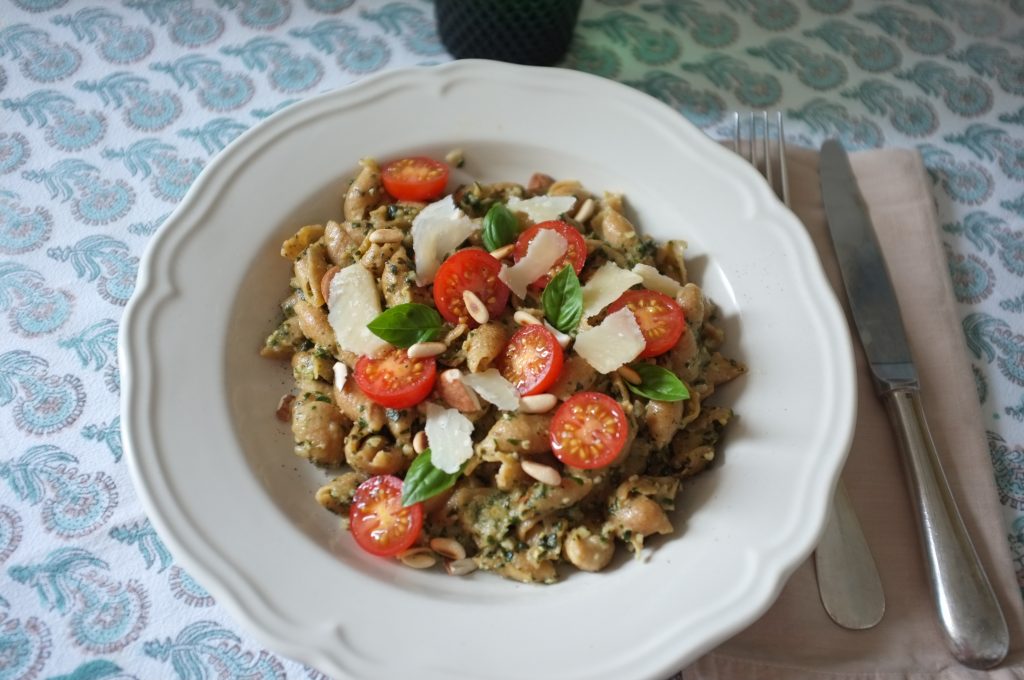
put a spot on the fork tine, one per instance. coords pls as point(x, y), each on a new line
point(767, 147)
point(752, 146)
point(783, 174)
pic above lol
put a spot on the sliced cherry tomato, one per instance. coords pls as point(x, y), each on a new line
point(660, 317)
point(575, 251)
point(531, 360)
point(471, 269)
point(379, 523)
point(394, 380)
point(415, 179)
point(588, 430)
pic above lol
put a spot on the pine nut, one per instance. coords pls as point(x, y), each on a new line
point(422, 350)
point(418, 558)
point(455, 157)
point(525, 318)
point(585, 212)
point(448, 548)
point(381, 236)
point(475, 307)
point(629, 375)
point(455, 333)
point(502, 252)
point(284, 408)
point(460, 567)
point(456, 393)
point(419, 442)
point(539, 183)
point(537, 403)
point(545, 474)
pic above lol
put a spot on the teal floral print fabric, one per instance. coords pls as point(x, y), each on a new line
point(109, 111)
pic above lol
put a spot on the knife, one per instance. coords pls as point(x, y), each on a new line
point(971, 618)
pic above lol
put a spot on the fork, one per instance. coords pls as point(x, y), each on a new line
point(848, 581)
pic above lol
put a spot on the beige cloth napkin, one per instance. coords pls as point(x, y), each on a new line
point(795, 639)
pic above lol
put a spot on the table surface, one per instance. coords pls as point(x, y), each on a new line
point(110, 109)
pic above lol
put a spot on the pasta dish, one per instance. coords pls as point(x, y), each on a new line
point(505, 377)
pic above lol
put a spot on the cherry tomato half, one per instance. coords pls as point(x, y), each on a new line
point(394, 380)
point(379, 523)
point(470, 269)
point(659, 316)
point(588, 430)
point(531, 360)
point(575, 251)
point(415, 179)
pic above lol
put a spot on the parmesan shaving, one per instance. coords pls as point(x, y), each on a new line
point(340, 375)
point(353, 301)
point(617, 340)
point(606, 286)
point(542, 208)
point(546, 248)
point(450, 436)
point(562, 338)
point(656, 281)
point(494, 388)
point(437, 230)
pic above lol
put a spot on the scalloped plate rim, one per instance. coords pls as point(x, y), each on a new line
point(217, 571)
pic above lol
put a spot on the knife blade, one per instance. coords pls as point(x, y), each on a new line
point(971, 618)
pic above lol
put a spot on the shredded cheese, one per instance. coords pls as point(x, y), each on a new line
point(542, 208)
point(437, 230)
point(606, 286)
point(615, 341)
point(340, 375)
point(354, 301)
point(656, 281)
point(546, 248)
point(493, 387)
point(449, 434)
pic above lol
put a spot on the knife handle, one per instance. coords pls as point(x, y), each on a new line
point(971, 618)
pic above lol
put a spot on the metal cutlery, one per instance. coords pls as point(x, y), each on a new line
point(971, 618)
point(848, 582)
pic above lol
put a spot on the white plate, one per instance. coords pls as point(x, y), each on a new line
point(214, 467)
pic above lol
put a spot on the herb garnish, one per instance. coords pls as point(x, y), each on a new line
point(562, 300)
point(405, 325)
point(658, 383)
point(500, 227)
point(424, 480)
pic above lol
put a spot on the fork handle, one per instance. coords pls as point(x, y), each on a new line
point(971, 618)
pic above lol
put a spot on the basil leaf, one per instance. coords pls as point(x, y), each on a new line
point(424, 481)
point(407, 324)
point(500, 227)
point(563, 300)
point(658, 383)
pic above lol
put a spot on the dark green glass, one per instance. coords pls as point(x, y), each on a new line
point(536, 32)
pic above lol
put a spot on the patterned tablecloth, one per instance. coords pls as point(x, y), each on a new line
point(111, 109)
